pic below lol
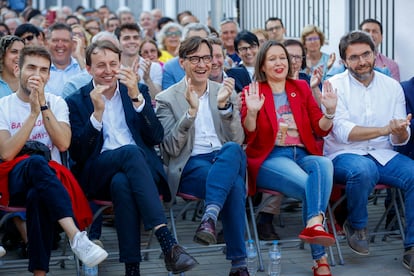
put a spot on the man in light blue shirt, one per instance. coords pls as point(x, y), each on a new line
point(64, 66)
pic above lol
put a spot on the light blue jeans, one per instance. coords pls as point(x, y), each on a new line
point(360, 173)
point(295, 173)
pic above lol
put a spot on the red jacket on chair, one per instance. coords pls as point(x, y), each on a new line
point(80, 205)
point(262, 141)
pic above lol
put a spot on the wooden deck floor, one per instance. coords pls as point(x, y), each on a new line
point(385, 256)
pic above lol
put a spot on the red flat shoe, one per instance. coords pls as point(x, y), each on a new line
point(319, 265)
point(314, 236)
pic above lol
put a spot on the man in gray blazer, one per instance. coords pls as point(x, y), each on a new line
point(202, 148)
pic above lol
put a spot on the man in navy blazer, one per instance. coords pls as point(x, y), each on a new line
point(114, 131)
point(408, 87)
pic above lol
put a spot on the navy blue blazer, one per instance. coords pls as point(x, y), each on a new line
point(408, 87)
point(87, 142)
point(241, 77)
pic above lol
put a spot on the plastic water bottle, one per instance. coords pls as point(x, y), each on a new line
point(251, 257)
point(90, 270)
point(275, 256)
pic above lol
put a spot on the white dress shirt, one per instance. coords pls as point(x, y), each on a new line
point(205, 139)
point(372, 106)
point(116, 132)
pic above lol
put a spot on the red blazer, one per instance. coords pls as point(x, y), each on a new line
point(262, 141)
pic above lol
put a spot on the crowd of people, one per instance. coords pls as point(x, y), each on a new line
point(220, 105)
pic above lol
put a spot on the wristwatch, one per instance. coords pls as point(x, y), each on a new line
point(139, 98)
point(44, 107)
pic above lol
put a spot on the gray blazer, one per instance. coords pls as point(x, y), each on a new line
point(179, 130)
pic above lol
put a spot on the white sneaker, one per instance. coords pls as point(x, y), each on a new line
point(88, 252)
point(2, 251)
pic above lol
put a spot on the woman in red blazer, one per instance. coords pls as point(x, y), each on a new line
point(282, 120)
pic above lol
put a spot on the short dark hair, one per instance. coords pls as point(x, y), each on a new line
point(187, 12)
point(274, 19)
point(57, 27)
point(191, 45)
point(261, 59)
point(353, 38)
point(294, 42)
point(34, 50)
point(246, 36)
point(100, 45)
point(371, 20)
point(26, 28)
point(71, 16)
point(127, 26)
point(162, 21)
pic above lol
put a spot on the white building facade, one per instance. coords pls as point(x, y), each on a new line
point(334, 17)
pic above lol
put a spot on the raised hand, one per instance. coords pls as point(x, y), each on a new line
point(316, 77)
point(129, 78)
point(146, 68)
point(329, 98)
point(192, 99)
point(254, 100)
point(331, 60)
point(36, 84)
point(98, 101)
point(225, 92)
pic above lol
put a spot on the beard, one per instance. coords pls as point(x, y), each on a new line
point(25, 89)
point(362, 76)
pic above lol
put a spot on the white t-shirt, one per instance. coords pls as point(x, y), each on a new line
point(14, 112)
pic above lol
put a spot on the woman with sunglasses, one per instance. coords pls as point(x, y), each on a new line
point(169, 41)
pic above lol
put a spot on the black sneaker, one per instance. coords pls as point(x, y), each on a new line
point(22, 251)
point(408, 261)
point(357, 239)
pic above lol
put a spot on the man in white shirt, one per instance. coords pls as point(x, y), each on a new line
point(370, 119)
point(30, 114)
point(202, 148)
point(114, 131)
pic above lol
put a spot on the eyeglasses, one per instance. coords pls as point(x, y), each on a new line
point(275, 28)
point(295, 58)
point(312, 38)
point(365, 56)
point(243, 50)
point(150, 51)
point(80, 34)
point(197, 59)
point(28, 38)
point(176, 33)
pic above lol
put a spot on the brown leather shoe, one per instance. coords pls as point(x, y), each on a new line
point(267, 232)
point(240, 272)
point(206, 233)
point(177, 260)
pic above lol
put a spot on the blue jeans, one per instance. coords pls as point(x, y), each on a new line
point(361, 173)
point(218, 177)
point(32, 183)
point(123, 174)
point(295, 173)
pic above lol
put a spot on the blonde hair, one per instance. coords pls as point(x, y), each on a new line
point(310, 29)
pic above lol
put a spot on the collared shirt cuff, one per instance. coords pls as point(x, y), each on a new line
point(139, 108)
point(226, 111)
point(95, 123)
